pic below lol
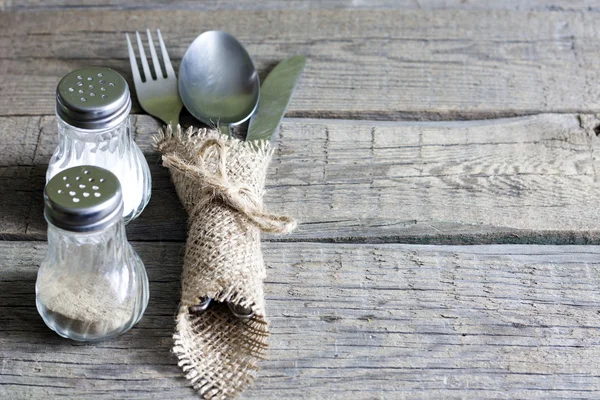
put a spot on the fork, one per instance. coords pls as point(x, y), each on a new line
point(158, 97)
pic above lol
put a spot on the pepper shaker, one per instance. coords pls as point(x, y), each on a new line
point(91, 285)
point(92, 106)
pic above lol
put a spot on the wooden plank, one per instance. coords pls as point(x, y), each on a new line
point(251, 5)
point(20, 139)
point(363, 64)
point(16, 199)
point(529, 179)
point(348, 321)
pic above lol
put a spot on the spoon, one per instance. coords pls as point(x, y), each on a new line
point(237, 310)
point(218, 83)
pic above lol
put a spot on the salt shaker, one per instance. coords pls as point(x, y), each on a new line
point(92, 106)
point(91, 285)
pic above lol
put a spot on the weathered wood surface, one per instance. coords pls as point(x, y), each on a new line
point(367, 64)
point(528, 179)
point(252, 5)
point(349, 321)
point(354, 314)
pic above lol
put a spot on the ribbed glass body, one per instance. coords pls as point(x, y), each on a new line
point(91, 286)
point(112, 149)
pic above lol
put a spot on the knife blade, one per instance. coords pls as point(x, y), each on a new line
point(275, 95)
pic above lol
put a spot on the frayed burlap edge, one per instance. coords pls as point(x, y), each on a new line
point(220, 182)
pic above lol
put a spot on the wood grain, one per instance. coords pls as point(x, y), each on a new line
point(348, 321)
point(520, 180)
point(363, 64)
point(251, 5)
point(354, 314)
point(20, 139)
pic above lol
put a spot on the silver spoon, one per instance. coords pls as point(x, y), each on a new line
point(218, 83)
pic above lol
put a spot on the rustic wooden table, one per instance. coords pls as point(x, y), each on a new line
point(442, 158)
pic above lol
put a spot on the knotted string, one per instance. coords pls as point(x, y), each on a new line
point(217, 185)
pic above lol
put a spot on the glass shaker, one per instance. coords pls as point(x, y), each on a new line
point(92, 106)
point(91, 285)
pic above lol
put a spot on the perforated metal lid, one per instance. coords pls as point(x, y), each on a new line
point(93, 98)
point(83, 199)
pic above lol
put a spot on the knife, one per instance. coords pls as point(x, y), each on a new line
point(275, 95)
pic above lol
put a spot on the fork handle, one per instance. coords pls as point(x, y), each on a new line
point(172, 120)
point(225, 129)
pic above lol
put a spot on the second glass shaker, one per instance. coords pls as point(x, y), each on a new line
point(91, 285)
point(92, 106)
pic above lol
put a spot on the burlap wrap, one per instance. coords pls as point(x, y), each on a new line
point(220, 182)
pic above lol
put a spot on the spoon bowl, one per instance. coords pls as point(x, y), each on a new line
point(218, 83)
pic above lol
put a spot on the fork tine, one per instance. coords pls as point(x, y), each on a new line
point(165, 56)
point(134, 67)
point(143, 59)
point(157, 69)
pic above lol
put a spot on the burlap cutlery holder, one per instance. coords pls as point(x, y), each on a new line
point(220, 182)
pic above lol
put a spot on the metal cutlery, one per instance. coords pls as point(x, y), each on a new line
point(216, 92)
point(275, 95)
point(158, 96)
point(217, 80)
point(237, 310)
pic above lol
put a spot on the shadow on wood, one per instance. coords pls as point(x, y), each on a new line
point(18, 310)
